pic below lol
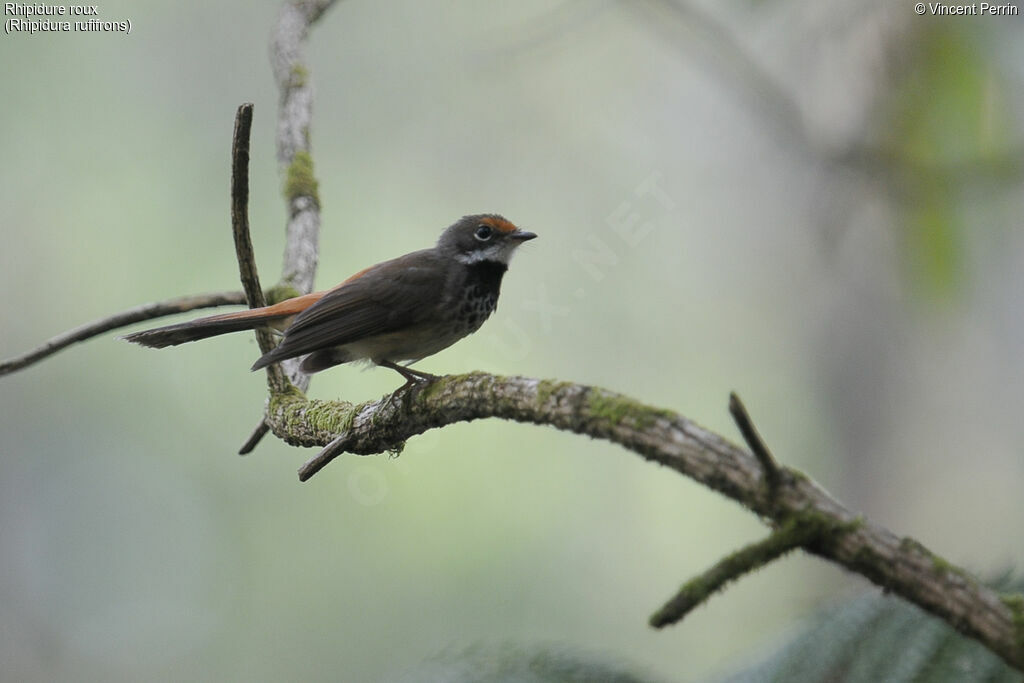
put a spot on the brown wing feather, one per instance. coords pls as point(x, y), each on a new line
point(282, 309)
point(377, 301)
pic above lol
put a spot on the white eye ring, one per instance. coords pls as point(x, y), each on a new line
point(483, 232)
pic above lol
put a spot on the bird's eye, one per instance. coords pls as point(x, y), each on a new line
point(483, 232)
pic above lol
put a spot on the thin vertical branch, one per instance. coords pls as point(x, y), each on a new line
point(243, 242)
point(240, 211)
point(295, 116)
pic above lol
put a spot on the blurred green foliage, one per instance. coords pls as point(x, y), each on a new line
point(875, 638)
point(947, 121)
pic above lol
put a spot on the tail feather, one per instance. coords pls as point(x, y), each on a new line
point(314, 362)
point(277, 316)
point(272, 356)
point(193, 330)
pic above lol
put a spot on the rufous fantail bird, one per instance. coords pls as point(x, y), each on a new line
point(404, 309)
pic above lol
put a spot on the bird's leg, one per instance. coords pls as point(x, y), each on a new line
point(411, 376)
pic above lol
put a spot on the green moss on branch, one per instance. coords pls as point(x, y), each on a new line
point(300, 180)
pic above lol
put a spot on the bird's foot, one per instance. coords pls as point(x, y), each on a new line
point(412, 378)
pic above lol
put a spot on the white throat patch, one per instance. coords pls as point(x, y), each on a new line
point(500, 252)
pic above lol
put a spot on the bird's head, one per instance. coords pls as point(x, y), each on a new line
point(482, 237)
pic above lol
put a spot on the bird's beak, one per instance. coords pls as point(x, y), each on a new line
point(522, 235)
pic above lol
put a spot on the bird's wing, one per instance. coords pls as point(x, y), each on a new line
point(387, 297)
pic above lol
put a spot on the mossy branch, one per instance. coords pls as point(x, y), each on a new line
point(295, 117)
point(795, 533)
point(819, 523)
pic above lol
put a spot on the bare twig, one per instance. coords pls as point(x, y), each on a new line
point(321, 459)
point(795, 533)
point(261, 430)
point(258, 432)
point(754, 441)
point(900, 565)
point(124, 318)
point(243, 242)
point(240, 213)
